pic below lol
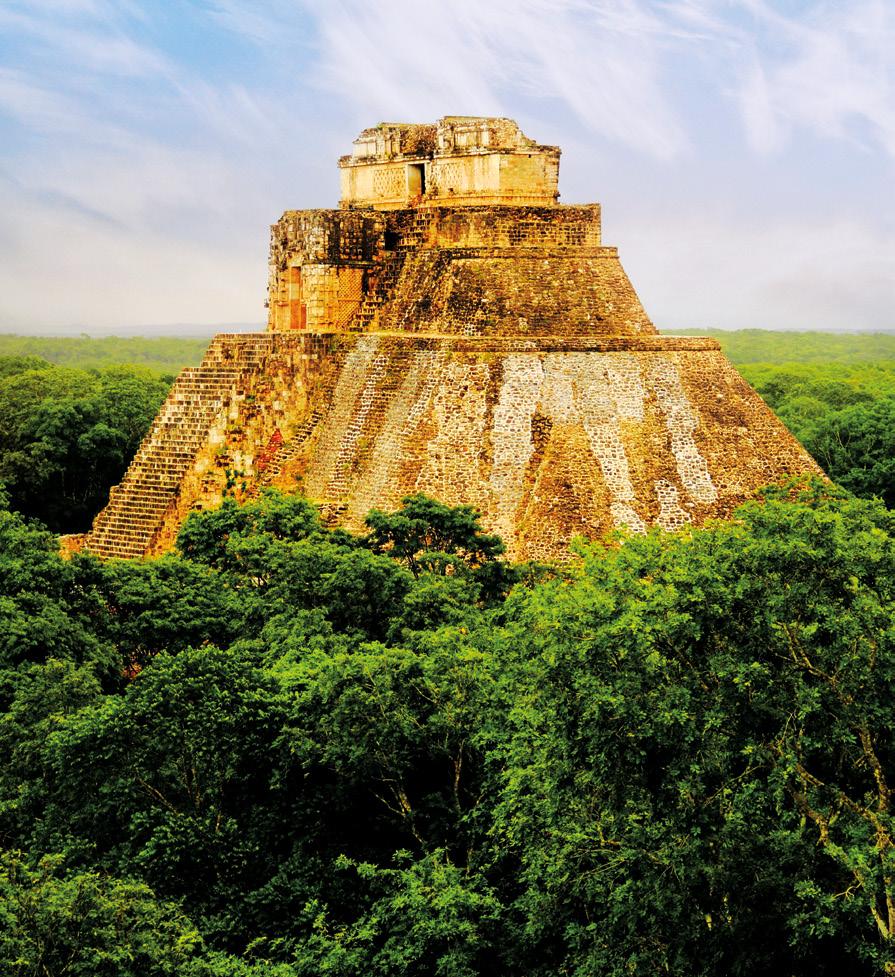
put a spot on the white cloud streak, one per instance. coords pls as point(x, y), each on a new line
point(825, 72)
point(613, 62)
point(601, 59)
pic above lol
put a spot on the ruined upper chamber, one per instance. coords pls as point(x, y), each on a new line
point(460, 160)
point(451, 228)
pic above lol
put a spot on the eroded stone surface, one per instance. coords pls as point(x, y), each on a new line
point(549, 443)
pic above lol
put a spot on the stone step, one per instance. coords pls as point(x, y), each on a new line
point(137, 507)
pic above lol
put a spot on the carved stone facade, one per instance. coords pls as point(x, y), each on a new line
point(479, 351)
point(458, 161)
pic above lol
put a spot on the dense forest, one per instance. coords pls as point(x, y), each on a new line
point(286, 750)
point(289, 751)
point(68, 434)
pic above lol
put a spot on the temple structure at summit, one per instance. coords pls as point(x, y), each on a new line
point(452, 329)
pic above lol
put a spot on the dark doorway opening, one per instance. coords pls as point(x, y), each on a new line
point(391, 240)
point(416, 179)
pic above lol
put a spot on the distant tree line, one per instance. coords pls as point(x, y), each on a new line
point(776, 346)
point(67, 435)
point(285, 750)
point(163, 354)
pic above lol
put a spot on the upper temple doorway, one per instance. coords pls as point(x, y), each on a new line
point(416, 180)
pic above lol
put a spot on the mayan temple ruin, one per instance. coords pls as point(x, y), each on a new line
point(452, 329)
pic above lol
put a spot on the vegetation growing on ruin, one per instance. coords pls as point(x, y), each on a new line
point(289, 751)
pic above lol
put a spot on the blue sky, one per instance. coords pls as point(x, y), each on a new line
point(743, 150)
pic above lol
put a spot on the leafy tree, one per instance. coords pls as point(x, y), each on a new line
point(170, 781)
point(761, 347)
point(43, 610)
point(399, 729)
point(11, 365)
point(435, 601)
point(667, 703)
point(43, 696)
point(165, 355)
point(428, 536)
point(428, 917)
point(58, 923)
point(219, 537)
point(856, 446)
point(276, 554)
point(66, 436)
point(167, 604)
point(346, 755)
point(843, 415)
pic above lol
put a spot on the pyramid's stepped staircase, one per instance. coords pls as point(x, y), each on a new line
point(289, 451)
point(385, 283)
point(137, 507)
point(381, 292)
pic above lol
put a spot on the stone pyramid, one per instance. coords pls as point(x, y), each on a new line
point(451, 329)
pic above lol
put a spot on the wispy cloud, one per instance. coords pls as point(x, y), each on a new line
point(89, 34)
point(43, 108)
point(148, 204)
point(614, 63)
point(827, 71)
point(601, 59)
point(259, 22)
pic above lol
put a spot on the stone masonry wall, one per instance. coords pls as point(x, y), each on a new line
point(549, 437)
point(490, 355)
point(476, 271)
point(514, 292)
point(543, 228)
point(317, 268)
point(459, 160)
